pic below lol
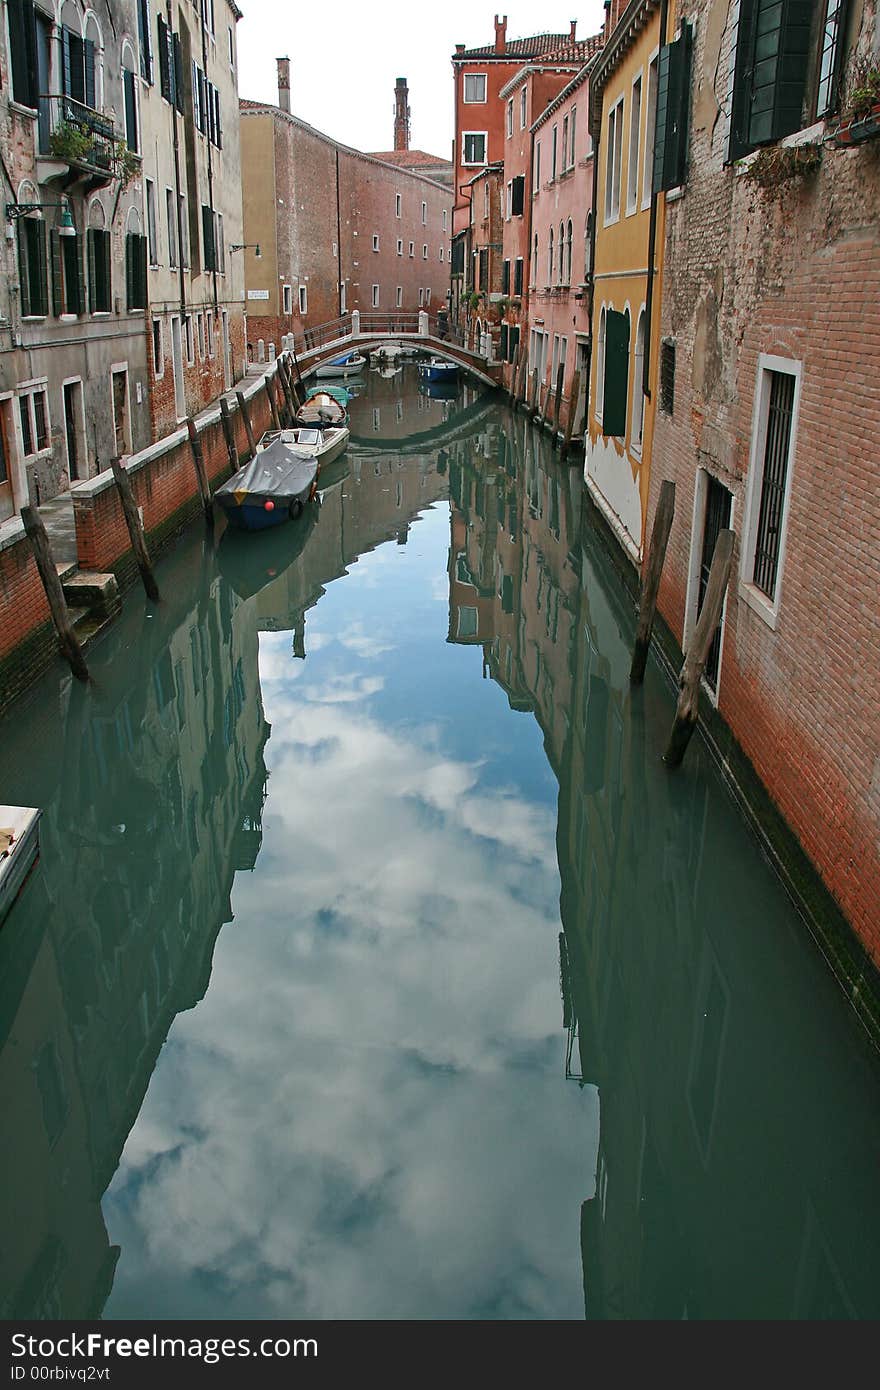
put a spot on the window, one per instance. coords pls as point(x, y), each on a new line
point(564, 144)
point(130, 106)
point(424, 214)
point(635, 130)
point(483, 268)
point(375, 241)
point(171, 218)
point(303, 299)
point(23, 52)
point(400, 246)
point(508, 199)
point(98, 246)
point(486, 199)
point(772, 62)
point(505, 278)
point(221, 245)
point(561, 253)
point(518, 275)
point(412, 248)
point(612, 162)
point(33, 408)
point(424, 252)
point(650, 132)
point(535, 259)
point(170, 70)
point(200, 333)
point(441, 253)
point(209, 323)
point(399, 297)
point(638, 400)
point(830, 56)
point(213, 239)
point(510, 118)
point(443, 219)
point(78, 67)
point(287, 299)
point(572, 158)
point(518, 196)
point(568, 239)
point(588, 247)
point(474, 86)
point(158, 354)
point(550, 259)
point(183, 225)
point(136, 270)
point(673, 101)
point(188, 339)
point(375, 297)
point(769, 479)
point(397, 205)
point(421, 299)
point(553, 142)
point(716, 518)
point(152, 232)
point(428, 297)
point(231, 39)
point(67, 286)
point(537, 183)
point(667, 376)
point(33, 277)
point(522, 109)
point(474, 147)
point(616, 373)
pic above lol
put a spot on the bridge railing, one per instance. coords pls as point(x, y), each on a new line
point(389, 323)
point(323, 333)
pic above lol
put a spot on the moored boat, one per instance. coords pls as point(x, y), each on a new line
point(347, 365)
point(19, 848)
point(273, 487)
point(437, 369)
point(322, 411)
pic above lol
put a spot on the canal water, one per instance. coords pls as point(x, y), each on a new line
point(374, 965)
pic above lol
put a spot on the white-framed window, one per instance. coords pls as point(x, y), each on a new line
point(522, 108)
point(550, 258)
point(473, 147)
point(599, 394)
point(425, 252)
point(421, 299)
point(158, 350)
point(486, 199)
point(424, 214)
point(303, 299)
point(569, 233)
point(441, 253)
point(650, 130)
point(572, 135)
point(444, 219)
point(400, 246)
point(398, 297)
point(635, 131)
point(231, 37)
point(474, 87)
point(184, 232)
point(537, 183)
point(375, 241)
point(209, 324)
point(564, 144)
point(508, 200)
point(554, 138)
point(200, 333)
point(171, 218)
point(768, 491)
point(637, 422)
point(152, 225)
point(613, 152)
point(287, 299)
point(510, 118)
point(375, 297)
point(188, 339)
point(397, 205)
point(428, 297)
point(33, 419)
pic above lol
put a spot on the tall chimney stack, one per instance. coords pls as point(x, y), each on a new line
point(574, 25)
point(401, 114)
point(283, 83)
point(500, 34)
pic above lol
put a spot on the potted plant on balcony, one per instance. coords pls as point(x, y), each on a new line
point(860, 117)
point(70, 141)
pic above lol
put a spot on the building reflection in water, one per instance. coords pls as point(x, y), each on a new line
point(676, 1003)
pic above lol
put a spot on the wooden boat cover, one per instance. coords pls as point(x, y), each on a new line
point(321, 409)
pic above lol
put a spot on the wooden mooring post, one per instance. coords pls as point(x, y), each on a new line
point(295, 377)
point(524, 379)
point(288, 400)
point(572, 412)
point(229, 434)
point(533, 408)
point(267, 383)
point(199, 465)
point(560, 379)
point(39, 539)
point(248, 427)
point(135, 529)
point(688, 708)
point(651, 579)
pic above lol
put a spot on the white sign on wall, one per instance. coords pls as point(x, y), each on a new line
point(258, 294)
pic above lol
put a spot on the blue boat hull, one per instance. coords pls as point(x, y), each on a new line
point(445, 374)
point(252, 516)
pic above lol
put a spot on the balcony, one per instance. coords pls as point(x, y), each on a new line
point(78, 144)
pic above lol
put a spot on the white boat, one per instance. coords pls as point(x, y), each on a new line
point(387, 353)
point(347, 365)
point(19, 847)
point(324, 444)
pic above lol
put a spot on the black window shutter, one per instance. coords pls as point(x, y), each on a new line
point(66, 70)
point(177, 61)
point(517, 202)
point(502, 346)
point(616, 373)
point(144, 35)
point(217, 124)
point(164, 64)
point(518, 275)
point(131, 123)
point(673, 102)
point(40, 280)
point(505, 278)
point(57, 274)
point(102, 258)
point(780, 59)
point(208, 238)
point(80, 245)
point(141, 278)
point(89, 72)
point(24, 272)
point(72, 275)
point(93, 269)
point(129, 271)
point(23, 51)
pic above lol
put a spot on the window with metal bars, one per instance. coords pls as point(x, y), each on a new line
point(774, 474)
point(667, 376)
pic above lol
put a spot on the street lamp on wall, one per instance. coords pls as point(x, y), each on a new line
point(243, 245)
point(14, 211)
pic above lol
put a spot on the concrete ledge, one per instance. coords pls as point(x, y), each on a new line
point(11, 532)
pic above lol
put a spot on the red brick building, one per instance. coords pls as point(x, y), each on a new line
point(337, 229)
point(768, 419)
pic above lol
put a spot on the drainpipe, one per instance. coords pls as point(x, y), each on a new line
point(597, 135)
point(652, 242)
point(338, 242)
point(210, 166)
point(176, 146)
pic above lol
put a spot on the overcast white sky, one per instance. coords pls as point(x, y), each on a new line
point(346, 55)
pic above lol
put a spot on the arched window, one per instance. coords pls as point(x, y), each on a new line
point(535, 260)
point(561, 252)
point(550, 259)
point(600, 368)
point(94, 37)
point(98, 256)
point(638, 399)
point(568, 234)
point(130, 98)
point(588, 247)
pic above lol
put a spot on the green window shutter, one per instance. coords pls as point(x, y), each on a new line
point(164, 64)
point(71, 262)
point(106, 285)
point(89, 72)
point(518, 196)
point(57, 274)
point(673, 103)
point(24, 276)
point(40, 274)
point(780, 59)
point(502, 346)
point(80, 248)
point(23, 46)
point(616, 373)
point(505, 278)
point(93, 269)
point(141, 276)
point(208, 238)
point(177, 69)
point(129, 271)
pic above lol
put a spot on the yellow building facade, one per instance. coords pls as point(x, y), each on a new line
point(636, 121)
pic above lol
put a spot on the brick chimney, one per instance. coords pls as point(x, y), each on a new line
point(401, 114)
point(500, 34)
point(574, 25)
point(283, 83)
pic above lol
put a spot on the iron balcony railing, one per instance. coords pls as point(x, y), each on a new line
point(76, 133)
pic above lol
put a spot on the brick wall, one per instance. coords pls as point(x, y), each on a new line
point(791, 271)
